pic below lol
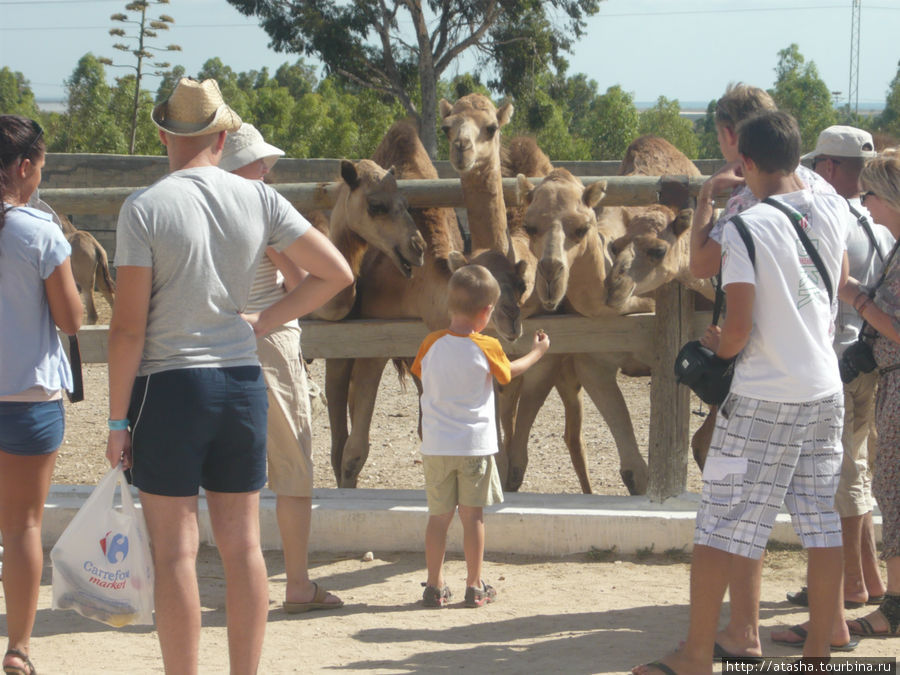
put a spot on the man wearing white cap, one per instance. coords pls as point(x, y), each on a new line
point(839, 156)
point(289, 445)
point(187, 400)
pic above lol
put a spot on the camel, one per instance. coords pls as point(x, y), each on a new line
point(472, 127)
point(370, 211)
point(90, 267)
point(656, 246)
point(383, 292)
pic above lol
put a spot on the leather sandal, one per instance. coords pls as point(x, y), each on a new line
point(28, 668)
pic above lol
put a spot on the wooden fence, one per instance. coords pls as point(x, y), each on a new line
point(658, 336)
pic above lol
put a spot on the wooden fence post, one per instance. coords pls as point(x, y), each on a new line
point(669, 436)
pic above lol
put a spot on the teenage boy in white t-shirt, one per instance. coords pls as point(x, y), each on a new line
point(777, 439)
point(459, 431)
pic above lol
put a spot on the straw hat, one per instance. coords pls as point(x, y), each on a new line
point(195, 108)
point(246, 145)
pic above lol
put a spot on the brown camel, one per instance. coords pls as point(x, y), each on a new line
point(90, 267)
point(383, 292)
point(370, 211)
point(656, 246)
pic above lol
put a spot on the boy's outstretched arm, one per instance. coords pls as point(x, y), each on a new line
point(706, 253)
point(539, 347)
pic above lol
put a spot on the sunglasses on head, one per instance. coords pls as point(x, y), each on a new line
point(37, 137)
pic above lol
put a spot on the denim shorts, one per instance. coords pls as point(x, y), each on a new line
point(199, 427)
point(28, 428)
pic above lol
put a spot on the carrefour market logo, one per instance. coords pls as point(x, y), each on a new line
point(113, 545)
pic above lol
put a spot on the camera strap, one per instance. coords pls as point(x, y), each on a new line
point(742, 230)
point(795, 217)
point(864, 224)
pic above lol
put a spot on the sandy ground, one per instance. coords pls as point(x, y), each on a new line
point(565, 615)
point(573, 615)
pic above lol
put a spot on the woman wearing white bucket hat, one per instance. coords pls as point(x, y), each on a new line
point(289, 446)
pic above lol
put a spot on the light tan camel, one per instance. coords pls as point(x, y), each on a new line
point(656, 246)
point(472, 127)
point(90, 267)
point(383, 292)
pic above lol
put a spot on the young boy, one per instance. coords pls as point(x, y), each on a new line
point(459, 431)
point(777, 439)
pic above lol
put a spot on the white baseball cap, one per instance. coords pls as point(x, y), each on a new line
point(245, 146)
point(842, 141)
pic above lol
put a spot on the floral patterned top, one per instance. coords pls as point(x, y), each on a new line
point(887, 299)
point(742, 198)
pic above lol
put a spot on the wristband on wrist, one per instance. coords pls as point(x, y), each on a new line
point(117, 425)
point(859, 301)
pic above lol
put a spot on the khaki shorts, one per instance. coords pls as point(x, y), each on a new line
point(289, 446)
point(854, 493)
point(452, 480)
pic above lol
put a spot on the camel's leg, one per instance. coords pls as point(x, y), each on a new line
point(366, 378)
point(337, 393)
point(536, 385)
point(507, 403)
point(87, 294)
point(569, 389)
point(103, 280)
point(703, 437)
point(597, 374)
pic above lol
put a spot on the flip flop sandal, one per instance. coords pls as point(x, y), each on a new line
point(29, 668)
point(801, 599)
point(800, 632)
point(318, 602)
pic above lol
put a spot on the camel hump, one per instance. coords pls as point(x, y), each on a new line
point(402, 149)
point(655, 156)
point(522, 155)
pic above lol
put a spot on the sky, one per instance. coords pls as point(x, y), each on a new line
point(687, 50)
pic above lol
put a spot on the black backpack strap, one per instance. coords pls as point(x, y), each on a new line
point(811, 251)
point(864, 224)
point(741, 227)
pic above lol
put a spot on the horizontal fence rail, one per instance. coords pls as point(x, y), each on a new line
point(443, 192)
point(569, 334)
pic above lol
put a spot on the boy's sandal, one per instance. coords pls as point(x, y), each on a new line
point(889, 610)
point(433, 596)
point(477, 597)
point(28, 669)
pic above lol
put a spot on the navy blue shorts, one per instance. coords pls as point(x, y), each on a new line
point(199, 427)
point(28, 428)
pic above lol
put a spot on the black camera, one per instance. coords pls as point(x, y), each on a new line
point(857, 358)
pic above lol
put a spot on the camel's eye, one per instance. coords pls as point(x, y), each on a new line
point(531, 230)
point(378, 208)
point(490, 130)
point(446, 129)
point(580, 233)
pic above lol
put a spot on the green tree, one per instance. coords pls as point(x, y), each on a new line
point(145, 137)
point(89, 124)
point(707, 135)
point(800, 91)
point(140, 48)
point(888, 121)
point(298, 77)
point(611, 124)
point(664, 119)
point(362, 42)
point(16, 97)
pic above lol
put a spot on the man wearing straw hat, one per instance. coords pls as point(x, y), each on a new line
point(187, 401)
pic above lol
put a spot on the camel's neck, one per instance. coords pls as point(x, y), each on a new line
point(587, 278)
point(483, 195)
point(351, 245)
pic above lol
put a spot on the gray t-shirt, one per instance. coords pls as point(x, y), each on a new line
point(204, 232)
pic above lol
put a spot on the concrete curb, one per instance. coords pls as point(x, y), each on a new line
point(394, 520)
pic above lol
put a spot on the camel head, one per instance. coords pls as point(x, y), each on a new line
point(511, 276)
point(653, 252)
point(370, 205)
point(472, 126)
point(562, 226)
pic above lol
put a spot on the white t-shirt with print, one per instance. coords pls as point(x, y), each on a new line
point(789, 357)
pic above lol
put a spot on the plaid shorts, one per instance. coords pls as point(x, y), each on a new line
point(765, 454)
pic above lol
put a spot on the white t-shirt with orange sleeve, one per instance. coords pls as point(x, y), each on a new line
point(457, 374)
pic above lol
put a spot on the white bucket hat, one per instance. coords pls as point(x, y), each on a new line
point(246, 145)
point(842, 141)
point(194, 109)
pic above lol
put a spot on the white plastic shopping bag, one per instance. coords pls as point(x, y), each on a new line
point(101, 564)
